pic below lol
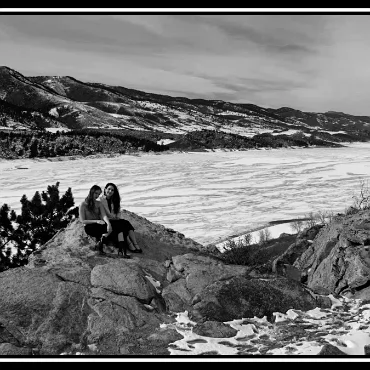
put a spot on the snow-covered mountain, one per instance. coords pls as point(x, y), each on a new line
point(74, 104)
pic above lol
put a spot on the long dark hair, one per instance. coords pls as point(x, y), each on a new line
point(116, 199)
point(90, 198)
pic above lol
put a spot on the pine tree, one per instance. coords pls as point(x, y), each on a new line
point(7, 217)
point(40, 219)
point(45, 214)
point(33, 148)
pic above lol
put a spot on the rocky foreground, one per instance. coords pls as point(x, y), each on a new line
point(68, 299)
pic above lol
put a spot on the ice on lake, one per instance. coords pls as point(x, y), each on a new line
point(207, 196)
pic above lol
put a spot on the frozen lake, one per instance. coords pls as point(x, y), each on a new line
point(207, 196)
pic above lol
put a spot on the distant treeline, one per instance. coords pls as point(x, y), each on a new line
point(208, 139)
point(41, 143)
point(31, 144)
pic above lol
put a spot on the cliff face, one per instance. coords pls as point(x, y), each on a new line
point(338, 260)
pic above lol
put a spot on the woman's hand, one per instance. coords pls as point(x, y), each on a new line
point(100, 222)
point(109, 228)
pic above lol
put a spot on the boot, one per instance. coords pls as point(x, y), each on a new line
point(122, 249)
point(100, 246)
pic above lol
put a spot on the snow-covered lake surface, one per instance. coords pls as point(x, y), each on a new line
point(207, 196)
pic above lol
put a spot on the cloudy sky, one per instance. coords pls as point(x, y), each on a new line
point(311, 62)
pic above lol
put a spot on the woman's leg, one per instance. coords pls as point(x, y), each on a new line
point(131, 238)
point(122, 238)
point(97, 231)
point(131, 235)
point(128, 231)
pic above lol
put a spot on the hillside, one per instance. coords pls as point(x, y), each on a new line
point(13, 116)
point(72, 104)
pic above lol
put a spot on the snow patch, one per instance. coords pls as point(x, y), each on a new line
point(165, 141)
point(56, 129)
point(54, 112)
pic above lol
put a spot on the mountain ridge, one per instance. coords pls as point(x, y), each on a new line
point(75, 104)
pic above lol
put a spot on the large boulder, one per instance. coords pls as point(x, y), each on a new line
point(294, 251)
point(242, 297)
point(338, 260)
point(214, 329)
point(283, 264)
point(194, 274)
point(27, 297)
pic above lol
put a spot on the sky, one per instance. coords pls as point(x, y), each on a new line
point(311, 62)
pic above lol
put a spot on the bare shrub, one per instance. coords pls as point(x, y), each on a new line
point(311, 220)
point(296, 226)
point(243, 241)
point(264, 236)
point(321, 217)
point(361, 201)
point(324, 217)
point(329, 216)
point(229, 245)
point(247, 239)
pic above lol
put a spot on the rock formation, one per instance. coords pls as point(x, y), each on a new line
point(338, 260)
point(69, 299)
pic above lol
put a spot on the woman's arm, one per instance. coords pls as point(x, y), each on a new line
point(104, 204)
point(105, 217)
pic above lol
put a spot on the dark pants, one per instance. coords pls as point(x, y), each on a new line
point(121, 226)
point(96, 230)
point(118, 226)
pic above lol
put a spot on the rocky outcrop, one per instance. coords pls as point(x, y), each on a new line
point(332, 258)
point(338, 260)
point(67, 297)
point(211, 290)
point(70, 299)
point(241, 297)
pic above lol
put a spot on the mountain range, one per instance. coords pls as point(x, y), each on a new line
point(43, 102)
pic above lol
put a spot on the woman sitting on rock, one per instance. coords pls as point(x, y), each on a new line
point(111, 202)
point(94, 218)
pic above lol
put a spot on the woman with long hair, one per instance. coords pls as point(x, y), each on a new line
point(92, 215)
point(111, 202)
